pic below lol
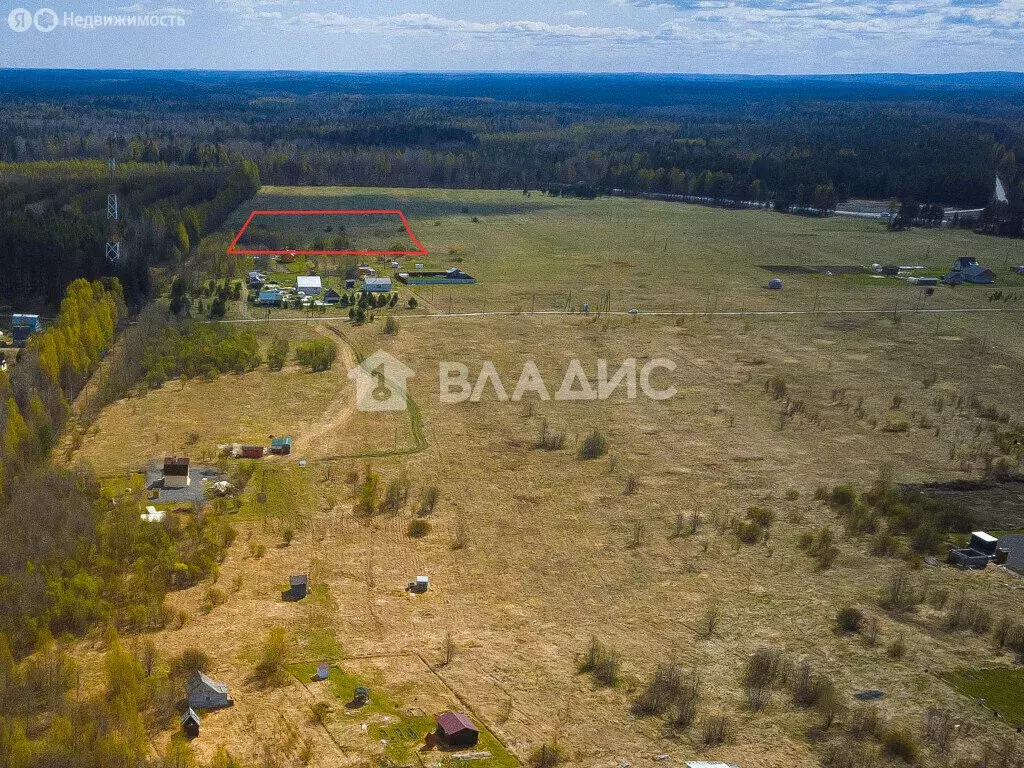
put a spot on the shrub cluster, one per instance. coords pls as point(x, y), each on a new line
point(886, 511)
point(601, 662)
point(190, 350)
point(316, 354)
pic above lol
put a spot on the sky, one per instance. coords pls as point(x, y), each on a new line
point(691, 36)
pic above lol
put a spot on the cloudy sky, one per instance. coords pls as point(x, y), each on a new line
point(713, 36)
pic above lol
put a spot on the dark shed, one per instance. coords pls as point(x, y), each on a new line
point(297, 586)
point(455, 729)
point(190, 723)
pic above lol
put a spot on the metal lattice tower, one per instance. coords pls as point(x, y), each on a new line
point(113, 251)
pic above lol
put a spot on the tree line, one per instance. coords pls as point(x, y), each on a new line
point(801, 143)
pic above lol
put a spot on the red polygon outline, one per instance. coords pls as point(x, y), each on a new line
point(237, 251)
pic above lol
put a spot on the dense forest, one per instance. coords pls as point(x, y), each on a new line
point(54, 225)
point(793, 142)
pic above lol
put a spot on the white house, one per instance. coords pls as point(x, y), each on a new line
point(308, 285)
point(377, 285)
point(206, 693)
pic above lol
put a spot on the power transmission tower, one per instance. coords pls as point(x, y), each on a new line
point(113, 250)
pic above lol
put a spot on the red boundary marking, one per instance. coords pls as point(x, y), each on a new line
point(405, 222)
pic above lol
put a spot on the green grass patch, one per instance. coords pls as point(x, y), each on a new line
point(403, 733)
point(1002, 689)
point(284, 487)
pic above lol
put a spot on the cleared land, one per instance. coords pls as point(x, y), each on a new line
point(326, 231)
point(531, 552)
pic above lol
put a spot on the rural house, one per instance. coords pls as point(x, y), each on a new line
point(176, 472)
point(308, 285)
point(269, 298)
point(331, 296)
point(967, 270)
point(206, 693)
point(377, 285)
point(190, 724)
point(455, 729)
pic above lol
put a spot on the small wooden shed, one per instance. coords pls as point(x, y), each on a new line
point(252, 451)
point(280, 445)
point(190, 723)
point(455, 729)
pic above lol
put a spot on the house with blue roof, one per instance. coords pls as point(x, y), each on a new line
point(269, 298)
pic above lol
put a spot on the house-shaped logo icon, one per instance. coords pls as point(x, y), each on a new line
point(380, 383)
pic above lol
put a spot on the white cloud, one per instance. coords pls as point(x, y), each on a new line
point(425, 22)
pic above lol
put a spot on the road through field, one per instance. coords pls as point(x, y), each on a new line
point(692, 313)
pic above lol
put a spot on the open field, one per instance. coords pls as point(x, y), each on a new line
point(352, 231)
point(532, 552)
point(556, 253)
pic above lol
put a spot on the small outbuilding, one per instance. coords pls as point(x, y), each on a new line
point(984, 542)
point(421, 585)
point(190, 724)
point(280, 446)
point(332, 297)
point(298, 585)
point(23, 326)
point(175, 472)
point(206, 693)
point(323, 670)
point(455, 729)
point(252, 451)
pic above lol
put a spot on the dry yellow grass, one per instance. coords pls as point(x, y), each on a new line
point(549, 559)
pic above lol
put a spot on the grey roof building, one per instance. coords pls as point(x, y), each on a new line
point(206, 693)
point(967, 270)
